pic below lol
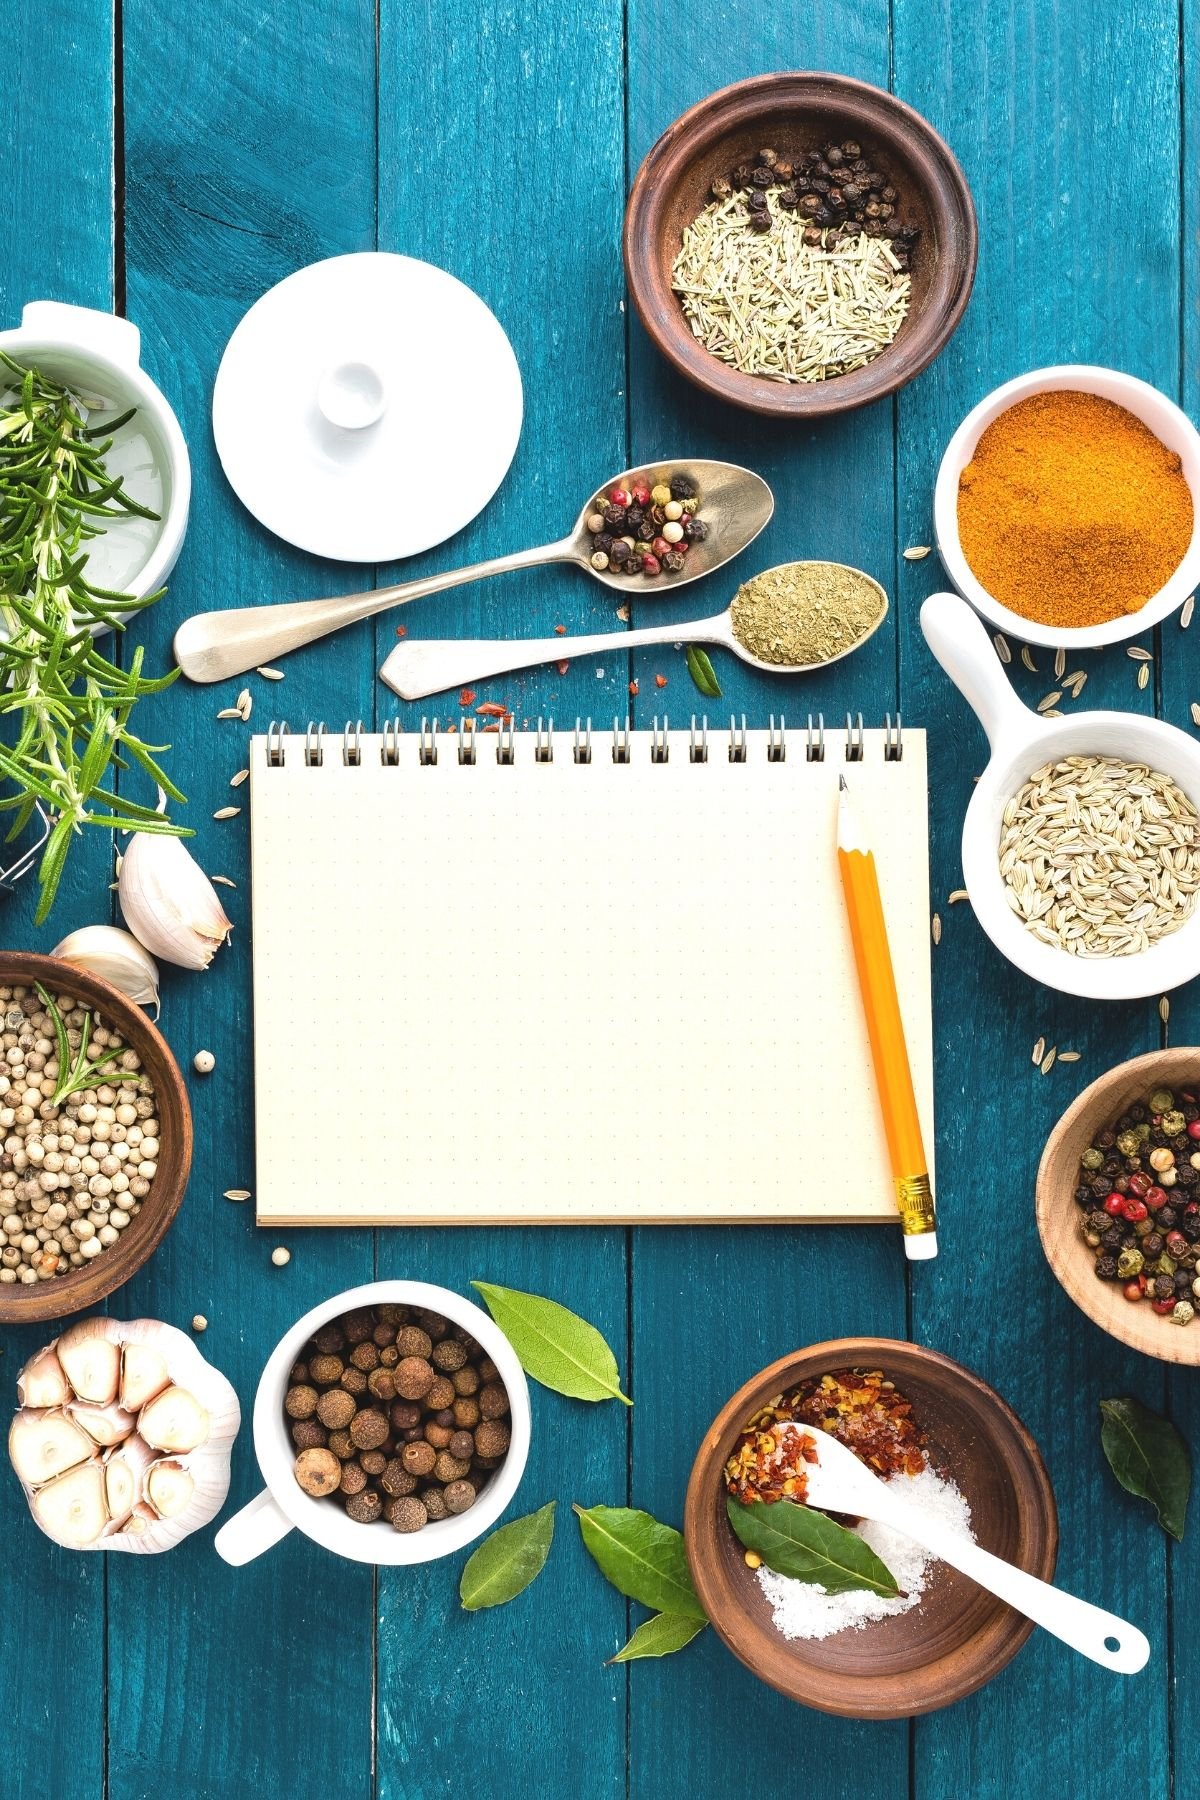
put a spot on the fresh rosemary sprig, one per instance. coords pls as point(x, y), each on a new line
point(78, 1071)
point(71, 705)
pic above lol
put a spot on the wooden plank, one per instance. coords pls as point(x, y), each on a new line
point(1027, 135)
point(59, 246)
point(713, 1306)
point(504, 99)
point(231, 187)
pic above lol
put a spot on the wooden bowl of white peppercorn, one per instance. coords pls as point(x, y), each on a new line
point(55, 1296)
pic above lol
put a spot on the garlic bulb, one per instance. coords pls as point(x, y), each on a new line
point(135, 1473)
point(115, 956)
point(169, 903)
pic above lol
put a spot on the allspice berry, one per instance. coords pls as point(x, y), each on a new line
point(418, 1457)
point(389, 1356)
point(307, 1434)
point(396, 1478)
point(492, 1438)
point(369, 1429)
point(488, 1370)
point(382, 1383)
point(339, 1443)
point(353, 1380)
point(325, 1370)
point(336, 1409)
point(448, 1356)
point(493, 1401)
point(318, 1472)
point(357, 1326)
point(364, 1508)
point(354, 1478)
point(383, 1334)
point(412, 1341)
point(414, 1377)
point(330, 1339)
point(440, 1395)
point(373, 1461)
point(466, 1414)
point(449, 1468)
point(434, 1502)
point(462, 1445)
point(438, 1435)
point(465, 1380)
point(408, 1514)
point(299, 1373)
point(365, 1356)
point(458, 1496)
point(301, 1402)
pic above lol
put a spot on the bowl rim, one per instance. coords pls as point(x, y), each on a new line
point(1141, 398)
point(95, 1281)
point(1072, 1268)
point(944, 185)
point(747, 1642)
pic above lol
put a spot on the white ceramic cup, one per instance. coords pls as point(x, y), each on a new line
point(1021, 741)
point(284, 1506)
point(1171, 426)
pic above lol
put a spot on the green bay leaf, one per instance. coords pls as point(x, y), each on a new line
point(702, 672)
point(554, 1345)
point(644, 1560)
point(1149, 1458)
point(805, 1544)
point(660, 1636)
point(506, 1562)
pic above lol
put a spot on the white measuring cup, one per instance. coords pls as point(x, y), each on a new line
point(1021, 741)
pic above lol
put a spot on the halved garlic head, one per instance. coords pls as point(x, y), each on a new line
point(105, 1425)
point(91, 1362)
point(42, 1444)
point(72, 1509)
point(144, 1373)
point(42, 1382)
point(174, 1420)
point(169, 1488)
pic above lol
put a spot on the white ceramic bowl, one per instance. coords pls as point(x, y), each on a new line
point(1022, 741)
point(96, 355)
point(283, 1505)
point(1171, 426)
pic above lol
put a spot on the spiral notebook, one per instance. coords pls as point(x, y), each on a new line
point(572, 977)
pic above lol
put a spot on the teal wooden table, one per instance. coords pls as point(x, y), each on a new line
point(173, 162)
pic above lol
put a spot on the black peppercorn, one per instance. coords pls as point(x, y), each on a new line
point(783, 170)
point(767, 158)
point(851, 195)
point(810, 204)
point(721, 188)
point(757, 201)
point(834, 156)
point(683, 488)
point(1106, 1268)
point(603, 540)
point(1111, 1239)
point(619, 552)
point(763, 177)
point(634, 563)
point(850, 149)
point(1164, 1287)
point(673, 561)
point(788, 199)
point(760, 221)
point(695, 531)
point(741, 175)
point(1166, 1218)
point(615, 516)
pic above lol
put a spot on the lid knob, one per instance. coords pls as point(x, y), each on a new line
point(351, 395)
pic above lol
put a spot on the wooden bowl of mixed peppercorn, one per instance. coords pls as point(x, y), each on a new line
point(800, 244)
point(1118, 1203)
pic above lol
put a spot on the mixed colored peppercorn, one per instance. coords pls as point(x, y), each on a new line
point(644, 530)
point(1139, 1196)
point(836, 188)
point(861, 1408)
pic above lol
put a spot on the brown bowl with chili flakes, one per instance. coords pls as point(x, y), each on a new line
point(958, 1637)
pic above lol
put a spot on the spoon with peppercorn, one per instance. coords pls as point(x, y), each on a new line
point(654, 528)
point(836, 1481)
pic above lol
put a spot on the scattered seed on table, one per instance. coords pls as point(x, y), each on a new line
point(237, 780)
point(660, 681)
point(958, 894)
point(244, 703)
point(223, 881)
point(1002, 649)
point(1143, 676)
point(1075, 682)
point(204, 1062)
point(237, 1193)
point(1048, 700)
point(1195, 711)
point(1027, 659)
point(1138, 654)
point(1069, 1055)
point(1060, 662)
point(1164, 1009)
point(280, 1256)
point(230, 712)
point(1048, 1060)
point(199, 1322)
point(1052, 712)
point(1039, 1050)
point(1185, 616)
point(916, 552)
point(227, 812)
point(935, 928)
point(269, 674)
point(623, 612)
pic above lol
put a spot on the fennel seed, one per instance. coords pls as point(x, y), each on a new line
point(1185, 616)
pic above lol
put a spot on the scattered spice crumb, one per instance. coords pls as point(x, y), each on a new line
point(199, 1322)
point(660, 681)
point(1195, 710)
point(562, 667)
point(916, 552)
point(467, 697)
point(633, 688)
point(280, 1256)
point(560, 631)
point(492, 709)
point(599, 674)
point(623, 613)
point(494, 726)
point(402, 631)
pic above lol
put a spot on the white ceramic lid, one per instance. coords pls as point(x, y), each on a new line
point(367, 407)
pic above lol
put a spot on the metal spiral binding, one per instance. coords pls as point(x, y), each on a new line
point(389, 750)
point(352, 744)
point(854, 738)
point(466, 741)
point(698, 750)
point(620, 743)
point(314, 745)
point(276, 732)
point(777, 743)
point(893, 740)
point(660, 749)
point(543, 749)
point(582, 752)
point(506, 747)
point(814, 749)
point(427, 744)
point(737, 739)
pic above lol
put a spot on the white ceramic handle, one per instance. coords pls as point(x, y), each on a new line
point(959, 640)
point(256, 1528)
point(415, 669)
point(115, 339)
point(1086, 1628)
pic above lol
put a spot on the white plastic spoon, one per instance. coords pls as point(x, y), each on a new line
point(838, 1482)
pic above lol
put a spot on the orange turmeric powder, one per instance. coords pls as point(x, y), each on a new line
point(1071, 512)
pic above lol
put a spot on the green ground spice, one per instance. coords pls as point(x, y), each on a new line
point(804, 613)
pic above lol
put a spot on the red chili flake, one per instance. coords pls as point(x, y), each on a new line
point(494, 726)
point(450, 725)
point(562, 667)
point(633, 689)
point(467, 697)
point(402, 631)
point(493, 709)
point(858, 1407)
point(660, 681)
point(560, 631)
point(768, 1464)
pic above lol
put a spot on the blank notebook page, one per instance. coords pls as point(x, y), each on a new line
point(581, 992)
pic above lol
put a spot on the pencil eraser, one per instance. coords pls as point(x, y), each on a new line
point(920, 1247)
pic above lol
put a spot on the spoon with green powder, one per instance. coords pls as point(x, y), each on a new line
point(799, 616)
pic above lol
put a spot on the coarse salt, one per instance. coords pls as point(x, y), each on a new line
point(802, 1609)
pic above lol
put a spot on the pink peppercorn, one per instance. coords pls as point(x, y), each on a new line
point(1115, 1203)
point(641, 495)
point(1134, 1210)
point(1193, 1129)
point(619, 497)
point(1155, 1197)
point(650, 564)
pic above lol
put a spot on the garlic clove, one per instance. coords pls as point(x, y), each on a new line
point(41, 1382)
point(72, 1510)
point(144, 1373)
point(115, 956)
point(125, 1475)
point(105, 1425)
point(169, 1488)
point(174, 1420)
point(42, 1445)
point(91, 1361)
point(169, 903)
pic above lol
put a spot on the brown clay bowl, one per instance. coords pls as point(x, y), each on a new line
point(64, 1294)
point(1071, 1258)
point(796, 111)
point(958, 1637)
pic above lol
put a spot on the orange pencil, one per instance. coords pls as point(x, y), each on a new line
point(885, 1028)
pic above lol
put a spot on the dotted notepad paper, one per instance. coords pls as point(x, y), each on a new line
point(571, 991)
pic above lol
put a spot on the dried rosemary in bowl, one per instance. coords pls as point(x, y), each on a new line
point(804, 613)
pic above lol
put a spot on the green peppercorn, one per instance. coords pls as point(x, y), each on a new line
point(1130, 1262)
point(1128, 1143)
point(1184, 1313)
point(1161, 1100)
point(1173, 1123)
point(1092, 1158)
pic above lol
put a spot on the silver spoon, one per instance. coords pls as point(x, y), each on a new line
point(735, 504)
point(838, 1482)
point(415, 668)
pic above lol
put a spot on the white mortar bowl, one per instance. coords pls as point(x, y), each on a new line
point(1171, 426)
point(1021, 741)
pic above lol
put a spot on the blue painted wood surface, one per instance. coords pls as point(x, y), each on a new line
point(496, 137)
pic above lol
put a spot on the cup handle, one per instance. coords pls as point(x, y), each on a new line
point(256, 1528)
point(957, 636)
point(104, 333)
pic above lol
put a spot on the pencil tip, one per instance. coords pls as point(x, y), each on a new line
point(842, 782)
